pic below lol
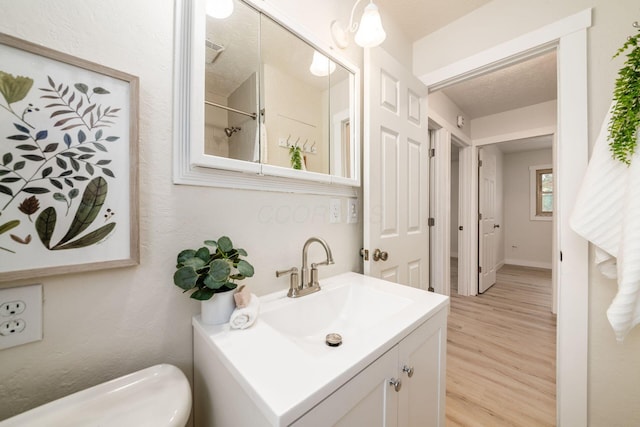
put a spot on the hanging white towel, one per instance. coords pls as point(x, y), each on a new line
point(242, 318)
point(607, 213)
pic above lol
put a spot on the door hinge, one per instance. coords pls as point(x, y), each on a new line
point(479, 163)
point(560, 256)
point(479, 269)
point(432, 152)
point(479, 217)
point(364, 253)
point(431, 222)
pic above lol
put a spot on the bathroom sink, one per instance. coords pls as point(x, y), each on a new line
point(344, 308)
point(158, 396)
point(283, 362)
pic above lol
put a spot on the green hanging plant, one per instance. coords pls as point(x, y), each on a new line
point(625, 119)
point(295, 153)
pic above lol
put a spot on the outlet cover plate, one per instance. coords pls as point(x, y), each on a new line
point(352, 211)
point(20, 315)
point(335, 211)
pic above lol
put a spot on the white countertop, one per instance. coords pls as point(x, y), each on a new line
point(286, 379)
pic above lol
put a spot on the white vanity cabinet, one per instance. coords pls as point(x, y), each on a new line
point(280, 373)
point(370, 399)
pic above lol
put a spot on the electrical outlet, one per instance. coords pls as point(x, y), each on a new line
point(352, 211)
point(20, 315)
point(335, 208)
point(11, 327)
point(12, 308)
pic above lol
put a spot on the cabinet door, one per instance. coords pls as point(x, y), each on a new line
point(423, 353)
point(367, 400)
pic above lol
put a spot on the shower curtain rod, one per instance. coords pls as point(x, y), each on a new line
point(213, 104)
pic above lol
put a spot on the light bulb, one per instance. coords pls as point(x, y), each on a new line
point(370, 32)
point(219, 9)
point(321, 65)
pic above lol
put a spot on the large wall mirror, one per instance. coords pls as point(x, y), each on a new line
point(262, 99)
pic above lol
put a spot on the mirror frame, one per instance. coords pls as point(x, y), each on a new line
point(192, 166)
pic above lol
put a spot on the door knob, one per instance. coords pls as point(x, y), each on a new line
point(396, 384)
point(380, 255)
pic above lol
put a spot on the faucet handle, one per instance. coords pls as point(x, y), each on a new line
point(292, 271)
point(293, 280)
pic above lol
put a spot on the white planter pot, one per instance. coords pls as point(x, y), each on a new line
point(218, 309)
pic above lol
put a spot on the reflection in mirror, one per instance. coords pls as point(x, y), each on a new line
point(231, 84)
point(340, 116)
point(295, 101)
point(273, 101)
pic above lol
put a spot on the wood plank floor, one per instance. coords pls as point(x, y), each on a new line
point(501, 351)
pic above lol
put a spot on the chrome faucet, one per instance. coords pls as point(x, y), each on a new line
point(308, 279)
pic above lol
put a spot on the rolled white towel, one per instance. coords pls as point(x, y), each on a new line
point(242, 318)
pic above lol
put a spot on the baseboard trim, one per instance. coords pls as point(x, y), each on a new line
point(525, 263)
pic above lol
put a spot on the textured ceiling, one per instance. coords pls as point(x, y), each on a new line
point(417, 18)
point(525, 83)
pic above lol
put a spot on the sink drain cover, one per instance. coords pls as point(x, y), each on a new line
point(334, 340)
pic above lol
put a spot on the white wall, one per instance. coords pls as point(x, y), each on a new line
point(104, 324)
point(527, 242)
point(519, 123)
point(614, 371)
point(449, 111)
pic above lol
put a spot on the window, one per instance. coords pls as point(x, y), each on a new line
point(544, 192)
point(541, 192)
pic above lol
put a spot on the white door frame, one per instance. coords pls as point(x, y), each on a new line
point(441, 271)
point(570, 37)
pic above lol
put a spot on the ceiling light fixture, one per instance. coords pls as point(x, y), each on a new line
point(321, 65)
point(220, 9)
point(369, 33)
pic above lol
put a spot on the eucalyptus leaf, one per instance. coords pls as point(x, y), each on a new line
point(185, 278)
point(204, 254)
point(185, 255)
point(203, 294)
point(225, 244)
point(220, 270)
point(245, 268)
point(211, 283)
point(195, 263)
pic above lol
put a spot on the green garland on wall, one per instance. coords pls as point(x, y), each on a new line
point(625, 120)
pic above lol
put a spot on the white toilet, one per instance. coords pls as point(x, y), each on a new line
point(159, 396)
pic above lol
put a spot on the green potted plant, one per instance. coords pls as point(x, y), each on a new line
point(211, 273)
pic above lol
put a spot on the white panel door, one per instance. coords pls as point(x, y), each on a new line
point(487, 226)
point(396, 143)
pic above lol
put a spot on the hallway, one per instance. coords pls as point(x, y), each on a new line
point(501, 352)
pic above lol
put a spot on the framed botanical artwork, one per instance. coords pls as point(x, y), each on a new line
point(68, 163)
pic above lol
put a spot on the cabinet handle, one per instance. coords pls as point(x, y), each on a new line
point(396, 384)
point(408, 370)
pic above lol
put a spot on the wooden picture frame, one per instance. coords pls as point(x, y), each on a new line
point(68, 163)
